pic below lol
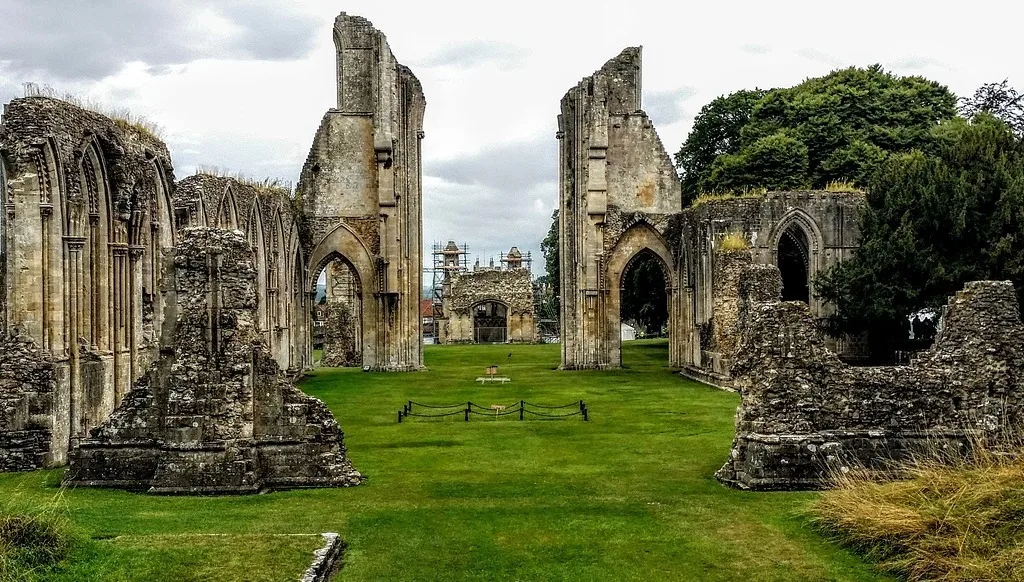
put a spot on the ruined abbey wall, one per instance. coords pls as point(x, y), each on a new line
point(619, 195)
point(214, 414)
point(361, 192)
point(804, 413)
point(87, 220)
point(824, 226)
point(267, 217)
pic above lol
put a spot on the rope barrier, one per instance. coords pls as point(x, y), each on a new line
point(577, 404)
point(492, 411)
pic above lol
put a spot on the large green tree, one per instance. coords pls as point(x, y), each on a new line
point(839, 127)
point(934, 219)
point(551, 305)
point(715, 132)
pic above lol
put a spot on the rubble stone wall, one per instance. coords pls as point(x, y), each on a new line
point(27, 385)
point(214, 414)
point(805, 413)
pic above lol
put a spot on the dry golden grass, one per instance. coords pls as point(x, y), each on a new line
point(122, 116)
point(734, 241)
point(842, 186)
point(263, 185)
point(730, 195)
point(953, 521)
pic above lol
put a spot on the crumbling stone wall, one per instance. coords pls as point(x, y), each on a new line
point(804, 412)
point(512, 288)
point(619, 194)
point(27, 384)
point(361, 191)
point(214, 414)
point(828, 220)
point(269, 218)
point(87, 220)
point(339, 336)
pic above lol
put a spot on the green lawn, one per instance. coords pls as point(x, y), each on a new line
point(627, 496)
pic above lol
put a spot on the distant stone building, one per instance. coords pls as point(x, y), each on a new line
point(489, 304)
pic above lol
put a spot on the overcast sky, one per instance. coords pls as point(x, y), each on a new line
point(243, 84)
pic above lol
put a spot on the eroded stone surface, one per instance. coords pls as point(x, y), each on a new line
point(214, 414)
point(805, 413)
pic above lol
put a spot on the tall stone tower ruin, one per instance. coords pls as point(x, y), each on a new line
point(618, 195)
point(361, 191)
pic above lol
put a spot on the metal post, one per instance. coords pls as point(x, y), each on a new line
point(521, 406)
point(467, 414)
point(399, 417)
point(585, 413)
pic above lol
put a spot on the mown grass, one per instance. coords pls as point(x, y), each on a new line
point(958, 520)
point(627, 496)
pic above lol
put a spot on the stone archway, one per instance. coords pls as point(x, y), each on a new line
point(641, 239)
point(795, 241)
point(490, 322)
point(343, 244)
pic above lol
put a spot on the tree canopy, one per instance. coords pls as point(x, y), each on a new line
point(833, 128)
point(935, 218)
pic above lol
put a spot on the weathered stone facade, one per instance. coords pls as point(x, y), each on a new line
point(824, 227)
point(214, 414)
point(87, 220)
point(805, 413)
point(361, 192)
point(619, 196)
point(488, 306)
point(270, 222)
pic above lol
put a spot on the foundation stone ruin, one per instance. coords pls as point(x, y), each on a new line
point(804, 413)
point(214, 414)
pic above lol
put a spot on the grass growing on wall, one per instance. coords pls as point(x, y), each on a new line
point(627, 496)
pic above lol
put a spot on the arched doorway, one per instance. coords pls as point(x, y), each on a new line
point(338, 314)
point(490, 322)
point(794, 264)
point(643, 300)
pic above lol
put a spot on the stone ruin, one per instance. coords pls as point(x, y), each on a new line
point(805, 414)
point(340, 317)
point(488, 304)
point(91, 213)
point(214, 414)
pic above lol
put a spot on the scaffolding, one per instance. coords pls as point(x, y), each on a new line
point(448, 258)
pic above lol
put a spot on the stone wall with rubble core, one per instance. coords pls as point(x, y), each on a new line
point(512, 288)
point(214, 414)
point(27, 384)
point(805, 414)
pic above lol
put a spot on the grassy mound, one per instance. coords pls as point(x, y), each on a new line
point(954, 522)
point(29, 542)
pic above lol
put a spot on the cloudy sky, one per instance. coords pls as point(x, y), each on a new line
point(243, 84)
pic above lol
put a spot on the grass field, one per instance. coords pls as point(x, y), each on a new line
point(628, 495)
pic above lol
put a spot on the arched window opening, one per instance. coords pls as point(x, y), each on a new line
point(490, 323)
point(3, 249)
point(644, 299)
point(337, 315)
point(794, 264)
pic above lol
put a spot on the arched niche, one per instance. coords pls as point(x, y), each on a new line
point(227, 214)
point(258, 243)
